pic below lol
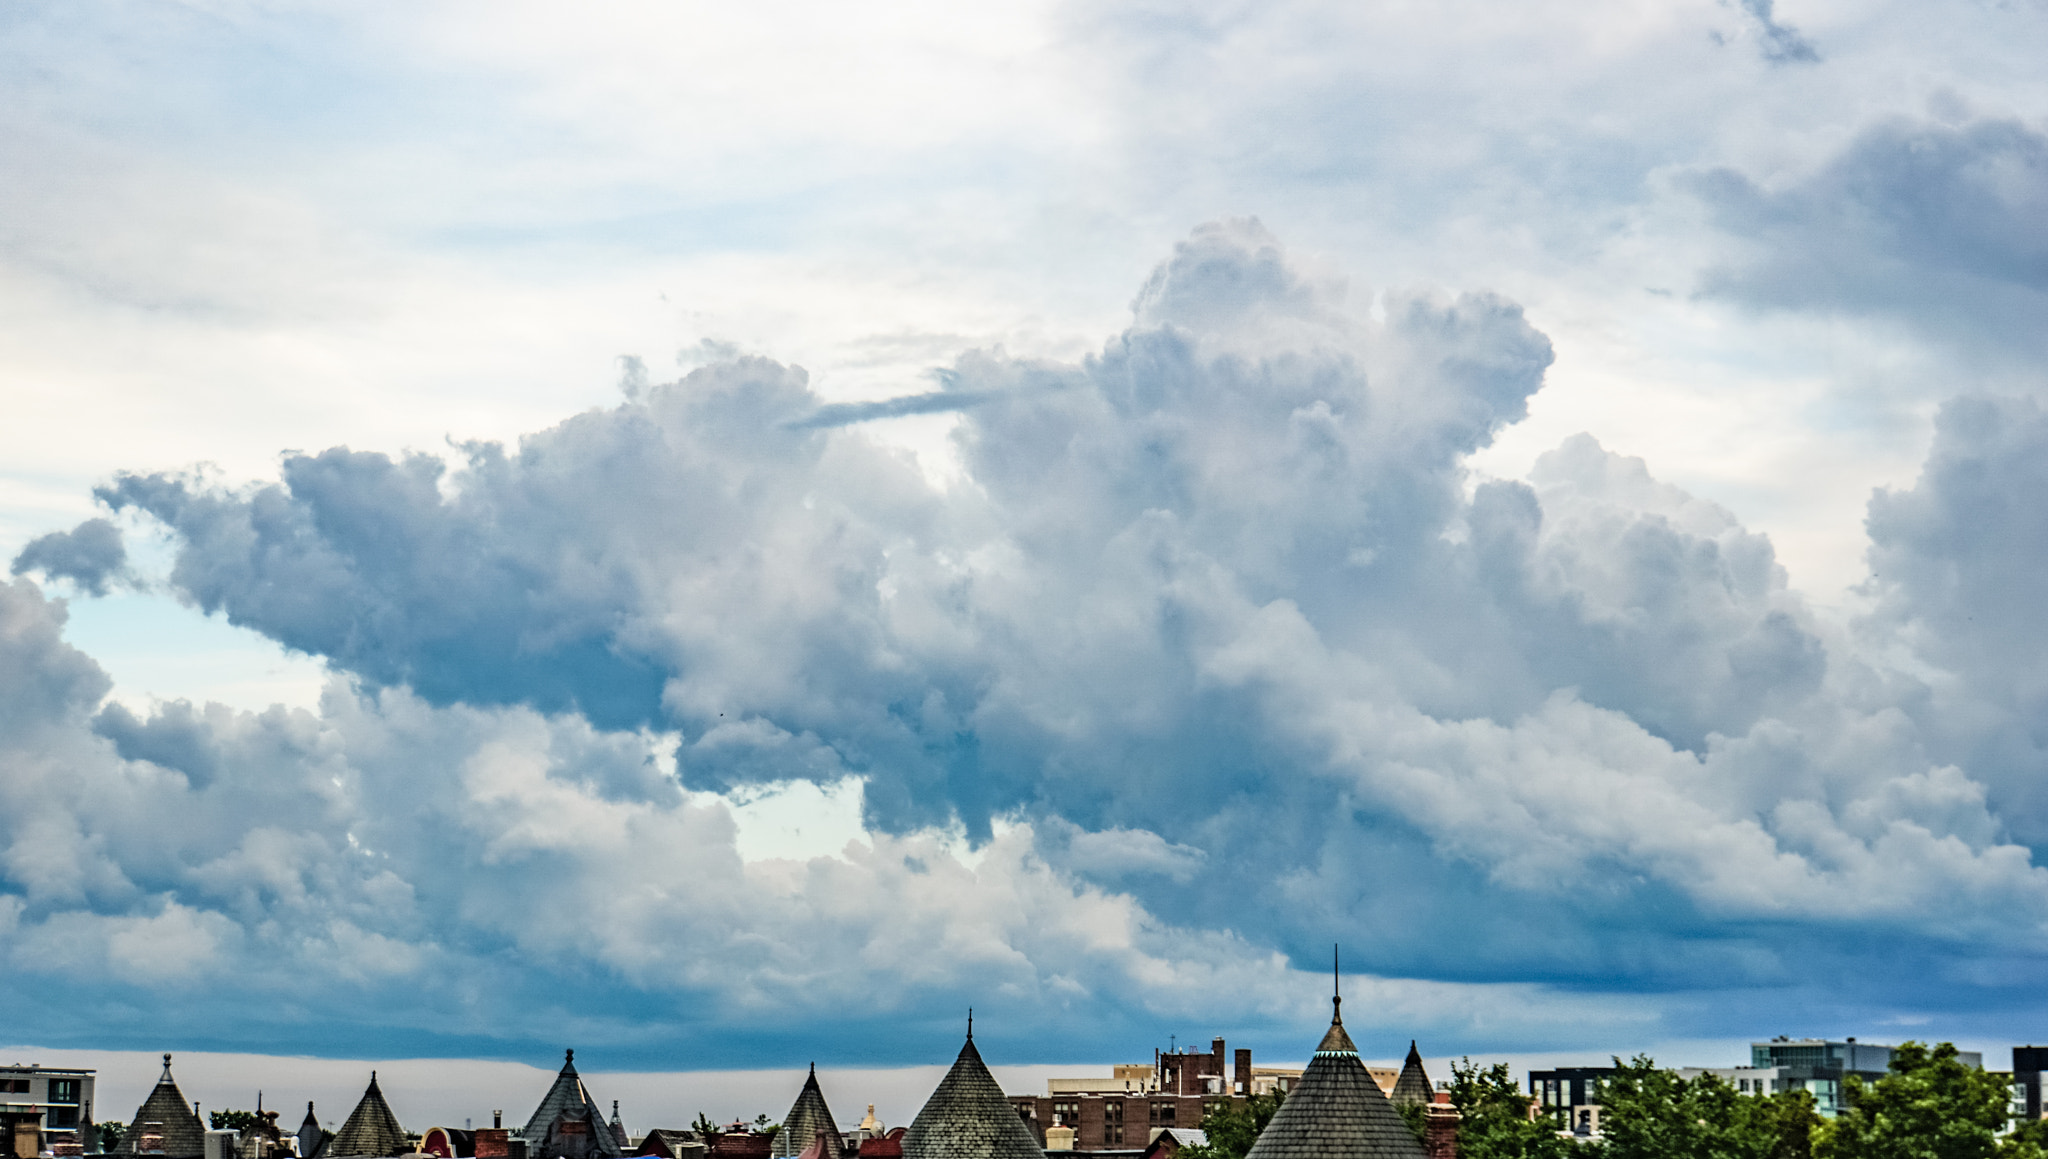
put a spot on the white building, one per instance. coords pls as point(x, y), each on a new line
point(64, 1096)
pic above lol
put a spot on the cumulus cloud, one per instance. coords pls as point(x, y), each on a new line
point(90, 555)
point(1216, 653)
point(1943, 225)
point(1782, 43)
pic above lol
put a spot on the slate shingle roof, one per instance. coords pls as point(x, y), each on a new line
point(1336, 1111)
point(807, 1116)
point(567, 1094)
point(309, 1133)
point(968, 1117)
point(184, 1136)
point(1413, 1085)
point(371, 1128)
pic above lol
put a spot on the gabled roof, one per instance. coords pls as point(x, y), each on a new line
point(569, 1094)
point(371, 1128)
point(969, 1117)
point(807, 1116)
point(1336, 1111)
point(184, 1137)
point(1413, 1085)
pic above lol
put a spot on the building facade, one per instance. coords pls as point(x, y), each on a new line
point(2027, 1064)
point(1571, 1095)
point(63, 1096)
point(1818, 1065)
point(1124, 1111)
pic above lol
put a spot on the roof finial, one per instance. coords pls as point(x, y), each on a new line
point(569, 1057)
point(970, 1024)
point(167, 1068)
point(1336, 987)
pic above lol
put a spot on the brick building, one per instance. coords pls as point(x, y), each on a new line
point(1122, 1112)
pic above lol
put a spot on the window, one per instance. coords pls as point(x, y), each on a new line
point(63, 1090)
point(1162, 1113)
point(63, 1117)
point(1112, 1120)
point(18, 1086)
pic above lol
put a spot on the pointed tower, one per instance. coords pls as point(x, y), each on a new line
point(618, 1127)
point(969, 1117)
point(1413, 1087)
point(371, 1128)
point(1336, 1111)
point(309, 1135)
point(808, 1116)
point(569, 1102)
point(168, 1120)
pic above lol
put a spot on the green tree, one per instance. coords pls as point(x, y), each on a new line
point(706, 1129)
point(1494, 1117)
point(1647, 1112)
point(1931, 1106)
point(110, 1134)
point(1416, 1116)
point(1233, 1126)
point(234, 1120)
point(2032, 1133)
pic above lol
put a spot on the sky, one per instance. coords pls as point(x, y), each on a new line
point(723, 536)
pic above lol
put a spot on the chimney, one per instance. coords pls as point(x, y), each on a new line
point(497, 1118)
point(1440, 1132)
point(1244, 1072)
point(1059, 1137)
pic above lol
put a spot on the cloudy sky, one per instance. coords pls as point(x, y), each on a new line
point(722, 535)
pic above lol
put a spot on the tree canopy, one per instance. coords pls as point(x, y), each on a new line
point(1234, 1125)
point(1495, 1122)
point(1651, 1113)
point(1932, 1105)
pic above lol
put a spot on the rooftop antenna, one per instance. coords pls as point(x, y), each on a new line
point(1336, 987)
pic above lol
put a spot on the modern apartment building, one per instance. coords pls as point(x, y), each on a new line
point(63, 1095)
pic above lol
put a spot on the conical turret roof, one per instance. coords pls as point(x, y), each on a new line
point(1413, 1086)
point(1336, 1111)
point(807, 1116)
point(969, 1117)
point(569, 1094)
point(183, 1135)
point(309, 1134)
point(371, 1128)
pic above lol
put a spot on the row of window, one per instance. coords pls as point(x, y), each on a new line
point(61, 1090)
point(1164, 1113)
